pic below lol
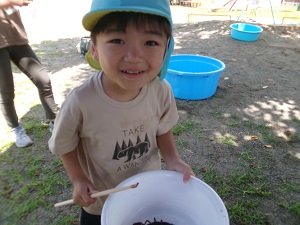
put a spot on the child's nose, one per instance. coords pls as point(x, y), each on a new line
point(133, 54)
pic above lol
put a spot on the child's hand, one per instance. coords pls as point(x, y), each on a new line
point(24, 2)
point(183, 168)
point(82, 191)
point(21, 2)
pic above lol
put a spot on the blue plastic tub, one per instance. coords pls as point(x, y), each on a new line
point(245, 31)
point(194, 77)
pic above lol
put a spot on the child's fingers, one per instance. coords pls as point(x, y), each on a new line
point(186, 178)
point(187, 175)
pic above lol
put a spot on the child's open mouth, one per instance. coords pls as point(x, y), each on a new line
point(132, 72)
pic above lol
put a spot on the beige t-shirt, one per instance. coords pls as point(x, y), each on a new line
point(12, 31)
point(116, 140)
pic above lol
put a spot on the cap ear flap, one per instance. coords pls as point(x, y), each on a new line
point(92, 58)
point(169, 50)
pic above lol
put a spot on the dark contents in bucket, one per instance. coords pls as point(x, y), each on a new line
point(153, 223)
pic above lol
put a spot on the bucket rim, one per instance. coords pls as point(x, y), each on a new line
point(181, 73)
point(194, 184)
point(248, 24)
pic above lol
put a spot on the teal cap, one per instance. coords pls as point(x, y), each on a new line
point(100, 8)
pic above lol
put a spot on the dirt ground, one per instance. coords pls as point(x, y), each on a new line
point(260, 84)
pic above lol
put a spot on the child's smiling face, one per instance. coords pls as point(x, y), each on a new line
point(130, 58)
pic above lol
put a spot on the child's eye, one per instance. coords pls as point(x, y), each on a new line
point(117, 41)
point(151, 43)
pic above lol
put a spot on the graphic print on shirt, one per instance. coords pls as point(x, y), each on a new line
point(131, 152)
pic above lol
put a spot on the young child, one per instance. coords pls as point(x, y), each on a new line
point(115, 124)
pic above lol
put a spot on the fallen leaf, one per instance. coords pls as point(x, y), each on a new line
point(254, 138)
point(268, 146)
point(271, 126)
point(203, 170)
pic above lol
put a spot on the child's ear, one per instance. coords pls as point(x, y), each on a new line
point(94, 52)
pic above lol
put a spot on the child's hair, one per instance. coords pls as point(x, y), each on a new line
point(121, 20)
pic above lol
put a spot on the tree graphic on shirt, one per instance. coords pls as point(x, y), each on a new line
point(131, 151)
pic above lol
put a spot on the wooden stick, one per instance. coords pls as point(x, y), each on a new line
point(99, 194)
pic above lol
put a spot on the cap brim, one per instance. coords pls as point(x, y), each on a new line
point(93, 63)
point(91, 19)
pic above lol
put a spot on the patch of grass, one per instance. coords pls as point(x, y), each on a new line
point(239, 200)
point(286, 187)
point(228, 140)
point(185, 126)
point(217, 114)
point(265, 130)
point(4, 146)
point(268, 134)
point(246, 189)
point(181, 143)
point(247, 156)
point(232, 124)
point(295, 209)
point(29, 179)
point(65, 221)
point(240, 213)
point(35, 183)
point(235, 117)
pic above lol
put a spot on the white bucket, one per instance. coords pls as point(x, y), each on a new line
point(162, 196)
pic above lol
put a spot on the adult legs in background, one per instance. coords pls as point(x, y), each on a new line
point(7, 90)
point(26, 60)
point(7, 100)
